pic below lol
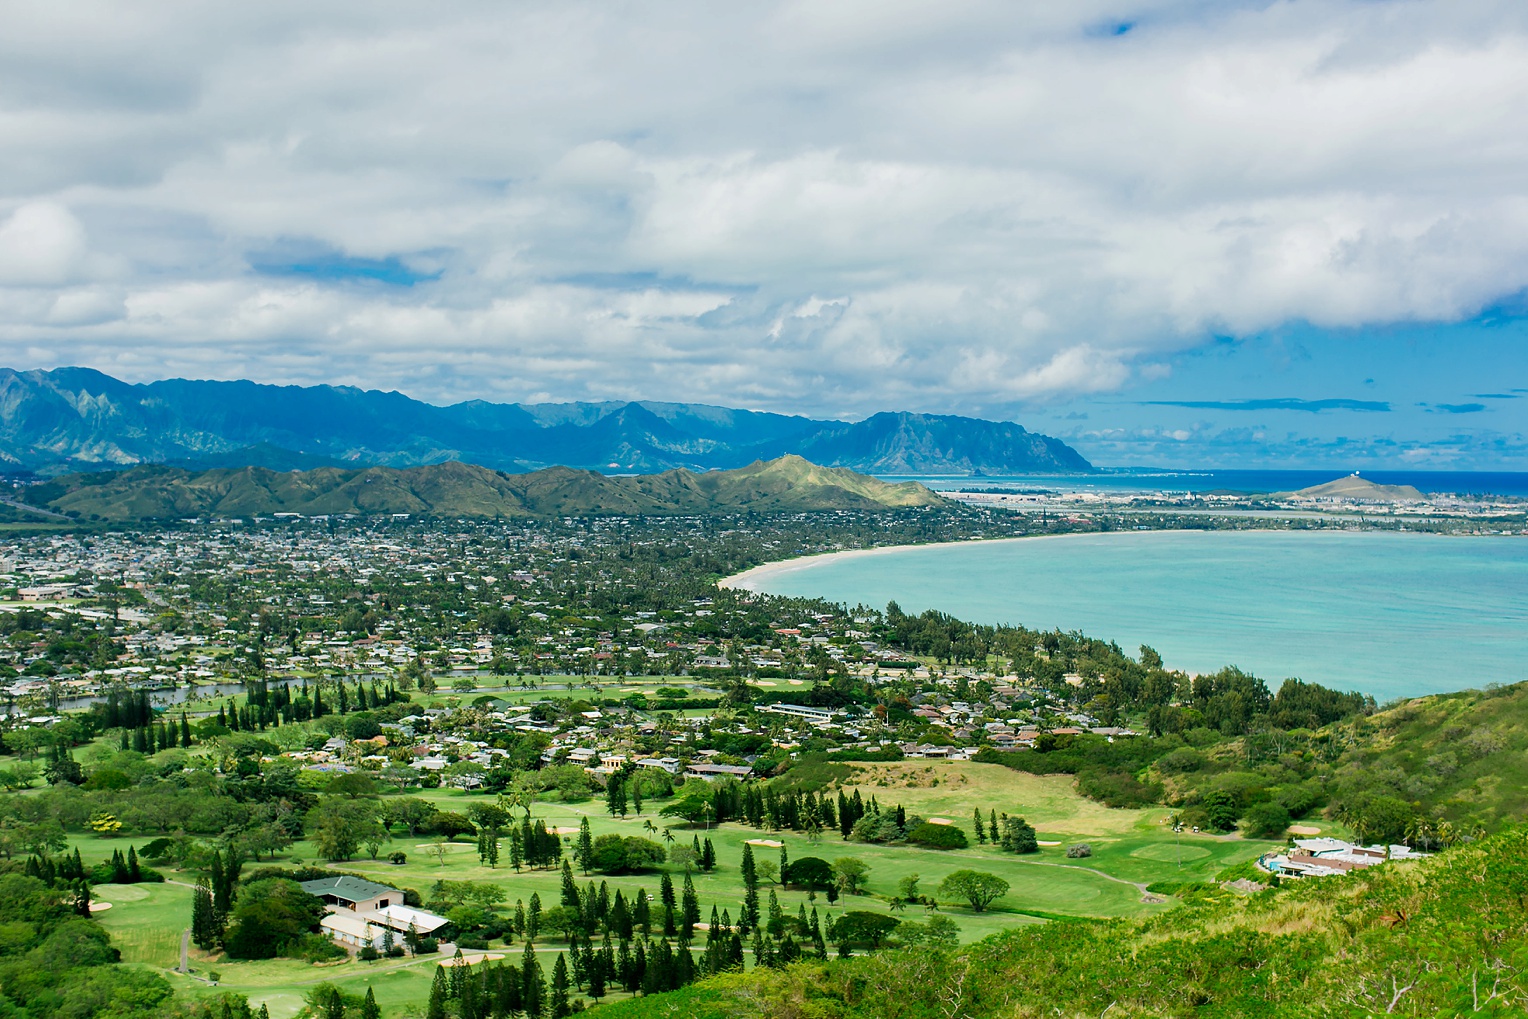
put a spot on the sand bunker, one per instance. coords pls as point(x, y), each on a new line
point(1304, 829)
point(940, 820)
point(1042, 842)
point(771, 843)
point(796, 682)
point(99, 907)
point(565, 831)
point(472, 958)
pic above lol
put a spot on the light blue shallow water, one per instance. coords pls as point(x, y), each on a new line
point(1389, 614)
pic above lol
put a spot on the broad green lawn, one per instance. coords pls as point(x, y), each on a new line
point(1130, 849)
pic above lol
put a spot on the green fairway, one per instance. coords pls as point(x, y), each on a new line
point(1130, 849)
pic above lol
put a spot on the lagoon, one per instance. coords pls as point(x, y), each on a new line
point(1393, 615)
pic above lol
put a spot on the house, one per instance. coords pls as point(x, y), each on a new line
point(711, 772)
point(353, 893)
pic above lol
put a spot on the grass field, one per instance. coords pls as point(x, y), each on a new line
point(1130, 848)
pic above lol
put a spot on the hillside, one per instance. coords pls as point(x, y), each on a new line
point(1444, 937)
point(1356, 488)
point(464, 490)
point(52, 421)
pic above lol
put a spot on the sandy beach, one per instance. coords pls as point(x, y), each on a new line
point(749, 580)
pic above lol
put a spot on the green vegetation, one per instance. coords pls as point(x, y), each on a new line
point(1443, 937)
point(453, 489)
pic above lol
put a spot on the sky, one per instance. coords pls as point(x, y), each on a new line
point(1178, 233)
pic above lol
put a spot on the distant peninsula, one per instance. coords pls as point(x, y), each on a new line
point(157, 493)
point(69, 419)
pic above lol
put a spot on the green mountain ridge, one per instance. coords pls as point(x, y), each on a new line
point(787, 484)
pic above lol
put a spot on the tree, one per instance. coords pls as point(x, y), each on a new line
point(809, 872)
point(978, 888)
point(271, 913)
point(861, 927)
point(369, 1007)
point(1221, 808)
point(585, 852)
point(1019, 836)
point(204, 927)
point(683, 855)
point(852, 873)
point(559, 1001)
point(981, 830)
point(1266, 821)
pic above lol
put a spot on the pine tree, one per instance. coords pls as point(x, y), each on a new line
point(532, 987)
point(134, 872)
point(981, 830)
point(185, 730)
point(636, 795)
point(641, 914)
point(559, 1000)
point(369, 1007)
point(707, 856)
point(569, 888)
point(748, 919)
point(204, 927)
point(585, 852)
point(992, 826)
point(691, 908)
point(437, 1006)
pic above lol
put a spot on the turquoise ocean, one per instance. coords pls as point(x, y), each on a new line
point(1393, 615)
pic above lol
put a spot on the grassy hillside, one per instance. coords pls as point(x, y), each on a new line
point(453, 489)
point(1446, 937)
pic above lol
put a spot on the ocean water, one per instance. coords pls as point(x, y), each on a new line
point(1392, 615)
point(1508, 483)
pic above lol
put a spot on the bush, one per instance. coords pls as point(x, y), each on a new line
point(398, 858)
point(1081, 851)
point(370, 954)
point(938, 836)
point(1117, 789)
point(1180, 761)
point(396, 952)
point(613, 854)
point(314, 948)
point(474, 943)
point(428, 946)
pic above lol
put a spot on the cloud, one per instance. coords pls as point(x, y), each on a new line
point(1454, 408)
point(41, 243)
point(1281, 403)
point(822, 208)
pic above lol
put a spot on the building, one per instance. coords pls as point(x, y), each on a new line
point(353, 893)
point(711, 772)
point(799, 711)
point(1327, 857)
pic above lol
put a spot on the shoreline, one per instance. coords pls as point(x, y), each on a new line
point(745, 580)
point(740, 581)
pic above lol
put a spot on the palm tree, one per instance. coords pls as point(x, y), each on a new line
point(668, 835)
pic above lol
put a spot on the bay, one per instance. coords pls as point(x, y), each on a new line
point(1393, 615)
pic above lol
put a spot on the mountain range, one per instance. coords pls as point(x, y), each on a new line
point(71, 419)
point(454, 489)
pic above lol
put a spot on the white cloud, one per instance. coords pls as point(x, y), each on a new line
point(1004, 202)
point(41, 243)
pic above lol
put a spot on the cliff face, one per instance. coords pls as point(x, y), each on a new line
point(71, 418)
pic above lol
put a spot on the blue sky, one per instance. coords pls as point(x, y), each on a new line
point(1172, 231)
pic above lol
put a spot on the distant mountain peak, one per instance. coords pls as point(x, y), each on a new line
point(80, 418)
